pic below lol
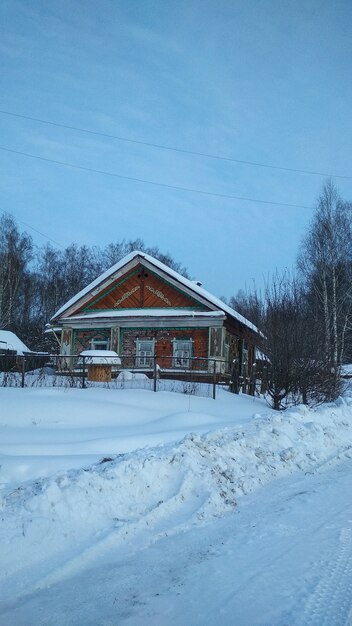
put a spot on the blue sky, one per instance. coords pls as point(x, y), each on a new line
point(264, 81)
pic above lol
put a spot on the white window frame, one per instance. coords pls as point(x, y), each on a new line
point(181, 355)
point(100, 344)
point(145, 356)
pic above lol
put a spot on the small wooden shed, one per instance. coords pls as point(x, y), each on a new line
point(100, 364)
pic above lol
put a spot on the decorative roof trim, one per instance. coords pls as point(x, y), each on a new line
point(133, 259)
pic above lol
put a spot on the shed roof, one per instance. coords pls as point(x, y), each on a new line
point(10, 341)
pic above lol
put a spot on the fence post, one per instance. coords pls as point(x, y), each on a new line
point(214, 381)
point(83, 372)
point(252, 382)
point(154, 375)
point(23, 370)
point(264, 380)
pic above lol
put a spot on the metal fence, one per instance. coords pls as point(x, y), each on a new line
point(191, 375)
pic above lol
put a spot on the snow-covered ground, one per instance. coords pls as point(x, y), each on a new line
point(43, 430)
point(227, 513)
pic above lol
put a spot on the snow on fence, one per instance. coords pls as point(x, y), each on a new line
point(195, 376)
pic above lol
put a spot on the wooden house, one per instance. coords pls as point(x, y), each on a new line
point(149, 313)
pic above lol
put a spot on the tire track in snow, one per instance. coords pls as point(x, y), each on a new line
point(331, 601)
point(169, 517)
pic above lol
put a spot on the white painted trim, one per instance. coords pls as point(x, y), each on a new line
point(174, 278)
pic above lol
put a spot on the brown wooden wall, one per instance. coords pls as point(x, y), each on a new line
point(163, 342)
point(84, 337)
point(141, 289)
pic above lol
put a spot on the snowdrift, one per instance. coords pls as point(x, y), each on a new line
point(55, 526)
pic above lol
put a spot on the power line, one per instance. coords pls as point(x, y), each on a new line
point(173, 149)
point(32, 228)
point(154, 183)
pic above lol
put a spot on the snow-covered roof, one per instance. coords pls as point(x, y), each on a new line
point(52, 329)
point(101, 357)
point(260, 356)
point(147, 313)
point(10, 341)
point(189, 284)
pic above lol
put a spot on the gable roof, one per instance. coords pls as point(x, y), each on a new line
point(10, 341)
point(190, 285)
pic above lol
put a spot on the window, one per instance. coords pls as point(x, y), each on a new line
point(145, 352)
point(182, 352)
point(99, 344)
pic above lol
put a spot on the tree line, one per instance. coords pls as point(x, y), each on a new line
point(306, 316)
point(36, 281)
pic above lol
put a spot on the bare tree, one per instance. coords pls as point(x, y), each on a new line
point(280, 326)
point(249, 304)
point(15, 255)
point(325, 262)
point(295, 369)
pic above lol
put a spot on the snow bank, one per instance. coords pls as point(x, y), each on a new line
point(126, 375)
point(45, 430)
point(135, 498)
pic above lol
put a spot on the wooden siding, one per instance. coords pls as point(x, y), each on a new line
point(83, 338)
point(163, 342)
point(141, 289)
